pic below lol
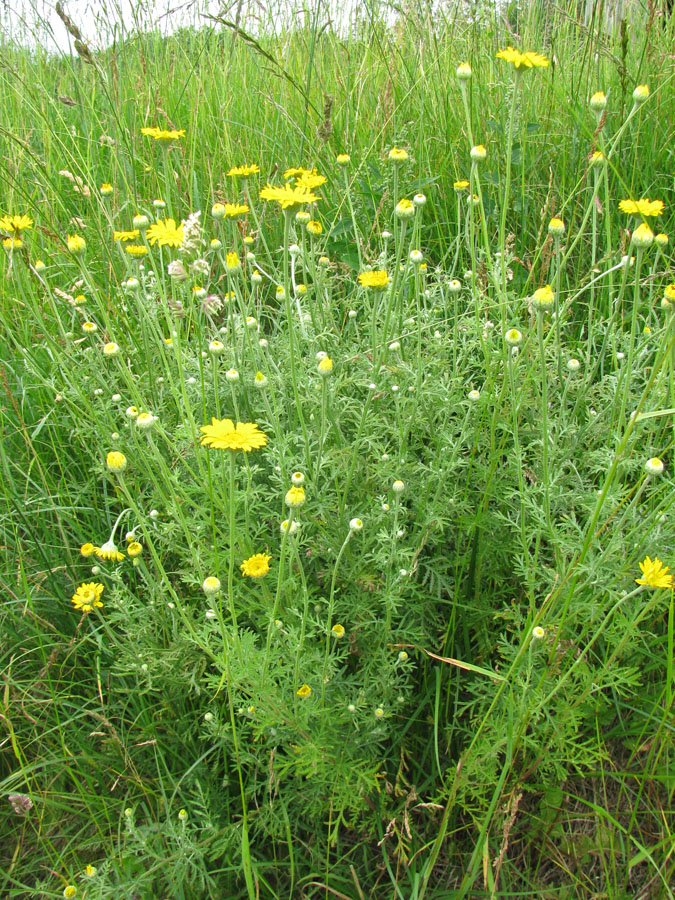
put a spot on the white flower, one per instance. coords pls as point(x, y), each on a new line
point(288, 527)
point(145, 421)
point(654, 466)
point(211, 585)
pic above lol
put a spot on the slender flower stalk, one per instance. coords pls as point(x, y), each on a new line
point(627, 371)
point(293, 351)
point(331, 603)
point(545, 435)
point(506, 197)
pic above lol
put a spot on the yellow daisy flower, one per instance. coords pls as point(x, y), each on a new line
point(109, 552)
point(160, 134)
point(126, 235)
point(166, 233)
point(527, 60)
point(87, 596)
point(654, 574)
point(288, 197)
point(244, 171)
point(223, 434)
point(15, 223)
point(256, 566)
point(644, 207)
point(377, 280)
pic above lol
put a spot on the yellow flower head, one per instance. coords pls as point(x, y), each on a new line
point(256, 566)
point(136, 250)
point(166, 233)
point(109, 552)
point(211, 585)
point(304, 691)
point(543, 298)
point(134, 549)
point(288, 197)
point(159, 134)
point(86, 597)
point(461, 185)
point(15, 223)
point(405, 209)
point(376, 280)
point(642, 207)
point(223, 434)
point(314, 228)
point(338, 630)
point(640, 94)
point(232, 210)
point(310, 179)
point(244, 171)
point(116, 461)
point(296, 172)
point(126, 235)
point(232, 262)
point(87, 549)
point(527, 60)
point(76, 243)
point(598, 101)
point(295, 497)
point(556, 227)
point(669, 292)
point(106, 189)
point(326, 366)
point(397, 155)
point(343, 159)
point(654, 574)
point(643, 236)
point(12, 243)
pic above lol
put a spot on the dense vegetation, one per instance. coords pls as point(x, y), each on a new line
point(410, 632)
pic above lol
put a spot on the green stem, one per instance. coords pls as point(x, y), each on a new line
point(331, 600)
point(507, 182)
point(628, 371)
point(544, 426)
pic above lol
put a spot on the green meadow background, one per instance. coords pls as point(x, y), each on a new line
point(499, 765)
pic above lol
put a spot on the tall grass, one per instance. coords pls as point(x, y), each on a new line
point(448, 684)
